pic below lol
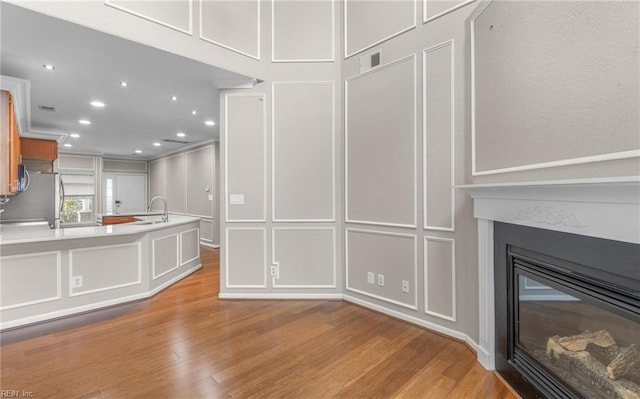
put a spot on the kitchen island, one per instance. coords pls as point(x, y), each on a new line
point(51, 273)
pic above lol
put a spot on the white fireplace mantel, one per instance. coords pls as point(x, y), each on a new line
point(605, 208)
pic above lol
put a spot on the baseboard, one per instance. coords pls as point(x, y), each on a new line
point(206, 244)
point(173, 280)
point(233, 295)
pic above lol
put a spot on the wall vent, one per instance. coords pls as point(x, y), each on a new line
point(46, 108)
point(175, 141)
point(370, 61)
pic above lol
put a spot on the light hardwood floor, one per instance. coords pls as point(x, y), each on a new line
point(185, 343)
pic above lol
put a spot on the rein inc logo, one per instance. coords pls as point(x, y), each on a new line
point(15, 393)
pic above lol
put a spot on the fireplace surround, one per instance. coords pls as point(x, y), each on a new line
point(593, 212)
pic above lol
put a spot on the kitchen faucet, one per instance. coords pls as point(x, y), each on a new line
point(165, 213)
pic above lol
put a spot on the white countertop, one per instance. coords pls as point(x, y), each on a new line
point(10, 234)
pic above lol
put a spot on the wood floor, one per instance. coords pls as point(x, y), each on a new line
point(185, 343)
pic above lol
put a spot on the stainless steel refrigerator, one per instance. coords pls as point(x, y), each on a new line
point(40, 202)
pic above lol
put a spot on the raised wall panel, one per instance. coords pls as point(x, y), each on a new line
point(303, 151)
point(440, 277)
point(234, 25)
point(381, 145)
point(199, 179)
point(206, 230)
point(76, 162)
point(165, 252)
point(439, 159)
point(176, 14)
point(368, 23)
point(303, 30)
point(544, 90)
point(246, 257)
point(245, 148)
point(189, 246)
point(433, 9)
point(175, 183)
point(105, 267)
point(157, 181)
point(305, 256)
point(120, 165)
point(30, 279)
point(390, 254)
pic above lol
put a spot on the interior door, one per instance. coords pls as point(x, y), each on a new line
point(130, 193)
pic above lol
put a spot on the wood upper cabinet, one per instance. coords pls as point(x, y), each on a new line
point(9, 145)
point(44, 150)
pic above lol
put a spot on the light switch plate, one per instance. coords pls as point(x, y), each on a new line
point(371, 278)
point(236, 199)
point(210, 197)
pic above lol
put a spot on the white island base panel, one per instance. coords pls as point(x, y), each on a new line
point(47, 274)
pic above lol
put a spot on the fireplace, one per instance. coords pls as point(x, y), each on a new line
point(567, 287)
point(567, 313)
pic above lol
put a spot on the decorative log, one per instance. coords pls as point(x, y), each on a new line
point(579, 342)
point(627, 360)
point(602, 353)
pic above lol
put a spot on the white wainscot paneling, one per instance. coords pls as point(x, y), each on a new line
point(305, 257)
point(438, 137)
point(165, 255)
point(368, 23)
point(303, 152)
point(391, 255)
point(76, 162)
point(440, 277)
point(189, 246)
point(246, 257)
point(206, 230)
point(175, 14)
point(105, 268)
point(302, 31)
point(30, 279)
point(234, 25)
point(433, 9)
point(245, 142)
point(381, 162)
point(576, 107)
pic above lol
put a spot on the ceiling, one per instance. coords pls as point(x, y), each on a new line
point(89, 66)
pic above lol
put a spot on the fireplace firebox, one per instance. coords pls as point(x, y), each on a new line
point(567, 313)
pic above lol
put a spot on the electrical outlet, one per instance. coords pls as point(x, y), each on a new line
point(275, 273)
point(381, 280)
point(76, 282)
point(371, 278)
point(405, 286)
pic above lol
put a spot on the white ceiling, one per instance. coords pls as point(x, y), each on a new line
point(89, 66)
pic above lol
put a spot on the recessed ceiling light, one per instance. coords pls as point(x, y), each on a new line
point(209, 123)
point(97, 104)
point(180, 134)
point(123, 84)
point(67, 145)
point(157, 144)
point(174, 98)
point(84, 122)
point(74, 135)
point(48, 67)
point(194, 112)
point(138, 151)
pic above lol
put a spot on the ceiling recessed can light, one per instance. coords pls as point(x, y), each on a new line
point(138, 151)
point(67, 145)
point(74, 135)
point(174, 98)
point(209, 123)
point(84, 122)
point(194, 112)
point(97, 104)
point(48, 67)
point(157, 144)
point(180, 134)
point(123, 83)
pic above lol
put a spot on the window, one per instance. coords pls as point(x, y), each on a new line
point(79, 196)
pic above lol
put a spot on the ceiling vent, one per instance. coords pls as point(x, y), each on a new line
point(45, 108)
point(370, 61)
point(173, 141)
